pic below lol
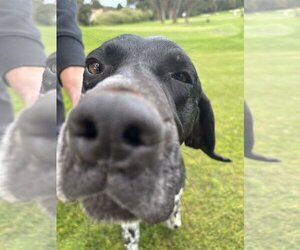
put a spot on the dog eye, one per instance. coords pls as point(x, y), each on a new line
point(52, 68)
point(94, 68)
point(182, 77)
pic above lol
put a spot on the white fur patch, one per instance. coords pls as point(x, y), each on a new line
point(4, 152)
point(131, 235)
point(174, 220)
point(60, 142)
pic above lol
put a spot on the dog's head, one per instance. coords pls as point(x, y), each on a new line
point(119, 151)
point(28, 151)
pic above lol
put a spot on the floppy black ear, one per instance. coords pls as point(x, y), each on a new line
point(203, 132)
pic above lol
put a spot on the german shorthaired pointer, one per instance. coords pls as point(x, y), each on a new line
point(119, 150)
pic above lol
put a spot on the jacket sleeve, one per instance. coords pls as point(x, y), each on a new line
point(20, 42)
point(69, 40)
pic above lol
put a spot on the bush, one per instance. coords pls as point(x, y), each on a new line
point(124, 15)
point(84, 14)
point(45, 14)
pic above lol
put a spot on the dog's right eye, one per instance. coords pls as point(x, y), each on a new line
point(182, 77)
point(94, 68)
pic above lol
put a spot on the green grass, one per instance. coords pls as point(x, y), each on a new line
point(272, 52)
point(213, 199)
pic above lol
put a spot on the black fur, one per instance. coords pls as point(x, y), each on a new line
point(249, 138)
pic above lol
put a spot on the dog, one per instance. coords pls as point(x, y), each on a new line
point(119, 149)
point(249, 138)
point(28, 149)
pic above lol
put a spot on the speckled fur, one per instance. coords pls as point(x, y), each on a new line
point(131, 235)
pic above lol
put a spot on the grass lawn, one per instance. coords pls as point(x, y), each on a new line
point(272, 194)
point(213, 199)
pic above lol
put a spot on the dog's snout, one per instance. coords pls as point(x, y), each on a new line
point(113, 124)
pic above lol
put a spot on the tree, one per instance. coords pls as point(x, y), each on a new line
point(174, 7)
point(84, 12)
point(43, 13)
point(205, 6)
point(119, 7)
point(263, 5)
point(162, 7)
point(159, 7)
point(96, 4)
point(35, 5)
point(189, 5)
point(140, 4)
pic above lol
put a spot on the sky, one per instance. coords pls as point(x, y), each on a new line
point(49, 1)
point(113, 3)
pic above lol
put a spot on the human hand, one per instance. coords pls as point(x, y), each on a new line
point(26, 82)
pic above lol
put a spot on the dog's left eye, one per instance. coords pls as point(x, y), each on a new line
point(94, 68)
point(182, 77)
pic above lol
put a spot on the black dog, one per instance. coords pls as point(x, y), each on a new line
point(119, 150)
point(28, 149)
point(249, 138)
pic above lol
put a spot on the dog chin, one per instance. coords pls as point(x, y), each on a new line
point(23, 178)
point(148, 196)
point(145, 195)
point(102, 207)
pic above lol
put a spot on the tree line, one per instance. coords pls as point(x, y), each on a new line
point(172, 9)
point(266, 5)
point(163, 9)
point(44, 13)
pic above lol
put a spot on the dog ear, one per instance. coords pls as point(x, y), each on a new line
point(203, 132)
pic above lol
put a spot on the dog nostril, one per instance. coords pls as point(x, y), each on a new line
point(85, 128)
point(132, 136)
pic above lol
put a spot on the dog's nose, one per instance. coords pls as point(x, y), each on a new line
point(113, 125)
